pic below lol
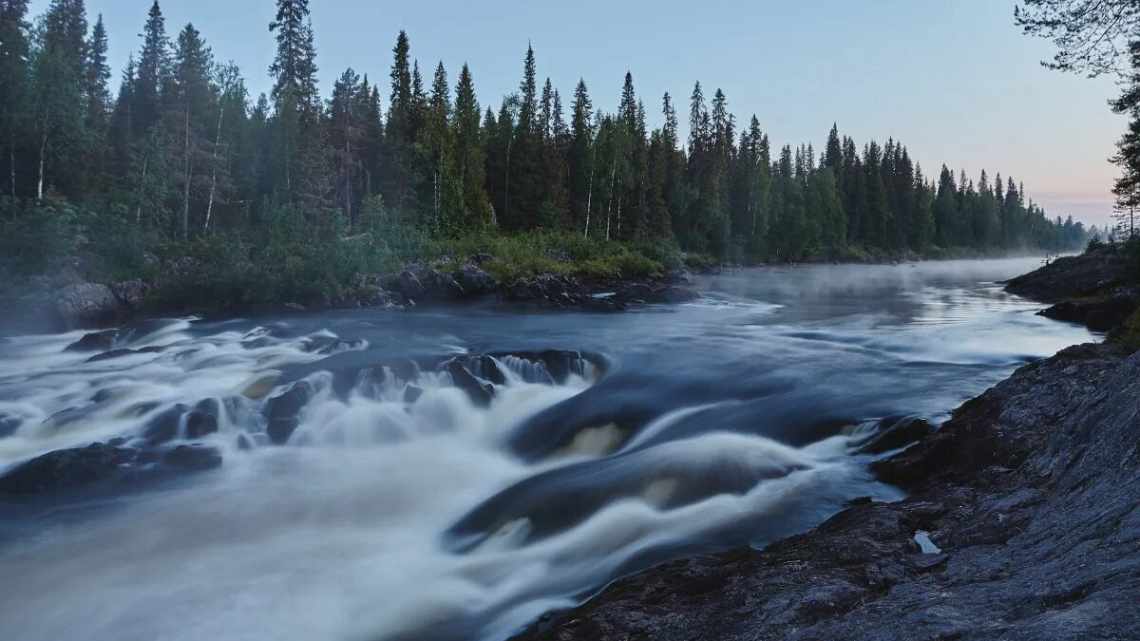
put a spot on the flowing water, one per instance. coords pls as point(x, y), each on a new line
point(402, 507)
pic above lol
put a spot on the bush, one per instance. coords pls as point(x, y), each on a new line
point(38, 239)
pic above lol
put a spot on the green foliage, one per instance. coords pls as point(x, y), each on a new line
point(38, 239)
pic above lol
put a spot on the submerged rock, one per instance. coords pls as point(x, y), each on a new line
point(9, 424)
point(193, 458)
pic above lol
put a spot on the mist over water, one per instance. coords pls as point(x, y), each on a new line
point(387, 515)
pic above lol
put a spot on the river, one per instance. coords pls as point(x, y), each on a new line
point(402, 508)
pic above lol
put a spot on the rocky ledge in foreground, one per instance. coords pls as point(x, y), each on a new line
point(1022, 522)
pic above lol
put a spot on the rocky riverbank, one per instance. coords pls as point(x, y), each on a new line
point(66, 301)
point(1022, 522)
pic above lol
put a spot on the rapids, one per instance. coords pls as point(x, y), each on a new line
point(453, 473)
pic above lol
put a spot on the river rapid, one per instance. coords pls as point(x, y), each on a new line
point(403, 503)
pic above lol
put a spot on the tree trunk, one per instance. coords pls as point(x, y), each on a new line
point(348, 181)
point(507, 196)
point(214, 168)
point(590, 189)
point(142, 186)
point(12, 167)
point(610, 203)
point(40, 179)
point(185, 231)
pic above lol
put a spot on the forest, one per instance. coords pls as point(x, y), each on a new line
point(306, 190)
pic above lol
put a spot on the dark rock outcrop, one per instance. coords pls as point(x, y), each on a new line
point(1029, 492)
point(475, 281)
point(481, 393)
point(103, 467)
point(895, 432)
point(282, 412)
point(409, 285)
point(203, 418)
point(131, 293)
point(1099, 313)
point(94, 342)
point(86, 304)
point(1073, 276)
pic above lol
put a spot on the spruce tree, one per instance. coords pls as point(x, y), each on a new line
point(470, 158)
point(581, 159)
point(98, 98)
point(152, 75)
point(192, 101)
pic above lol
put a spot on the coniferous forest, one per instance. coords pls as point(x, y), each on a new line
point(176, 158)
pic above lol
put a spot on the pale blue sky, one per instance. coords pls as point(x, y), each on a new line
point(953, 79)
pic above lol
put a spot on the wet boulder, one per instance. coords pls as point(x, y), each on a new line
point(479, 392)
point(202, 420)
point(283, 412)
point(85, 304)
point(94, 342)
point(164, 427)
point(192, 458)
point(896, 432)
point(412, 393)
point(67, 469)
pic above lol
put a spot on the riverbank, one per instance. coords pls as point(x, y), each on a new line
point(554, 271)
point(1021, 522)
point(539, 271)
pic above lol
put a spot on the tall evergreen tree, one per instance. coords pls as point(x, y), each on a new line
point(192, 102)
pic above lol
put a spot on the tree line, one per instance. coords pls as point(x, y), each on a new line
point(181, 151)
